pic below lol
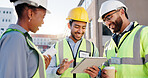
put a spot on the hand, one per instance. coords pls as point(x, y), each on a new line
point(92, 71)
point(104, 75)
point(64, 66)
point(47, 60)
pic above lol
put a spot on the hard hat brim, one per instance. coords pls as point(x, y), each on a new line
point(48, 12)
point(100, 19)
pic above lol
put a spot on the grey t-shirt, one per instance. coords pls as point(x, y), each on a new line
point(17, 60)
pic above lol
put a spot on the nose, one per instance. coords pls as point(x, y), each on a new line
point(80, 30)
point(107, 23)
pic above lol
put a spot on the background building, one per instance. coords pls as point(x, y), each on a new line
point(7, 17)
point(44, 41)
point(97, 32)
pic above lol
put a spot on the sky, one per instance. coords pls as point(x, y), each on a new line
point(54, 23)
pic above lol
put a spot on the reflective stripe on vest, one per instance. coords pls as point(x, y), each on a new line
point(64, 51)
point(136, 60)
point(146, 58)
point(40, 72)
point(41, 66)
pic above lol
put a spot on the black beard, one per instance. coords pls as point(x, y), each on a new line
point(118, 24)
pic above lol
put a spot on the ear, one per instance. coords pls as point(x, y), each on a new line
point(68, 25)
point(29, 14)
point(122, 11)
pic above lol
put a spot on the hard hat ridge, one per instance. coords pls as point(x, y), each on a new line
point(79, 14)
point(35, 3)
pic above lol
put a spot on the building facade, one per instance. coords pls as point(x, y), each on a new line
point(99, 33)
point(7, 17)
point(44, 41)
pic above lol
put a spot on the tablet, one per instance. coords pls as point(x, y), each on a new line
point(88, 62)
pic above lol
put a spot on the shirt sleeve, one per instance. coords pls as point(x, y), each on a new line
point(13, 61)
point(52, 69)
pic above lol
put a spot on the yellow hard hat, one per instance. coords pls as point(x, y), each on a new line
point(79, 14)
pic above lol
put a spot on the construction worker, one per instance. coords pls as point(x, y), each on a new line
point(127, 50)
point(71, 50)
point(19, 57)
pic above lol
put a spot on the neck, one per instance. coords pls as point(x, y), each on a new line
point(124, 25)
point(73, 38)
point(23, 24)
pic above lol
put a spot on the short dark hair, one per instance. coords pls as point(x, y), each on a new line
point(21, 7)
point(71, 21)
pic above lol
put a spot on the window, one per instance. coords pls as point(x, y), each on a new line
point(10, 12)
point(6, 20)
point(2, 29)
point(3, 20)
point(7, 12)
point(9, 20)
point(4, 12)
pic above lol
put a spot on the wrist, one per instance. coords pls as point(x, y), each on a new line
point(99, 74)
point(58, 72)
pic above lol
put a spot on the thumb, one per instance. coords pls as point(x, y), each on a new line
point(71, 61)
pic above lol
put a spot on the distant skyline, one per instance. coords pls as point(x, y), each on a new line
point(54, 23)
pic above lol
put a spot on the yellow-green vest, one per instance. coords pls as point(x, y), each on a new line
point(41, 71)
point(64, 51)
point(134, 60)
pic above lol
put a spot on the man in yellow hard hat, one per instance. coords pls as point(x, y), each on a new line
point(127, 50)
point(73, 48)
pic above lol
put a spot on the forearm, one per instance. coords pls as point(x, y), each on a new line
point(52, 69)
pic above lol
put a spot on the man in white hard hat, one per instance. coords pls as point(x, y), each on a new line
point(19, 57)
point(127, 50)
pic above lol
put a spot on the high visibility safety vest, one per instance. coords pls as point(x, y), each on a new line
point(64, 51)
point(41, 71)
point(131, 53)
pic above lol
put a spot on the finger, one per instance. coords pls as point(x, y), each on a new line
point(49, 58)
point(45, 57)
point(71, 61)
point(96, 68)
point(104, 71)
point(90, 73)
point(92, 70)
point(63, 61)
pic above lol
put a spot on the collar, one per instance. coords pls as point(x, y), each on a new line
point(128, 27)
point(70, 40)
point(18, 27)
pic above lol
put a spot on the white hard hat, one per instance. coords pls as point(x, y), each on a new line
point(108, 6)
point(35, 3)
